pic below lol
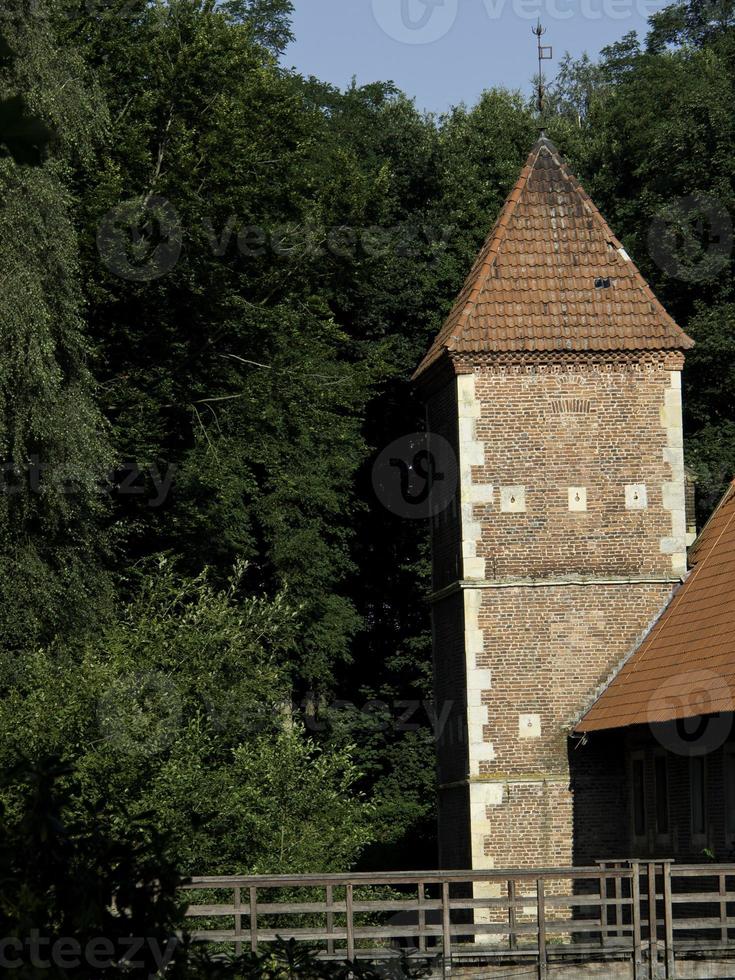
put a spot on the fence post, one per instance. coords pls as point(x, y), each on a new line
point(668, 921)
point(652, 923)
point(446, 932)
point(723, 910)
point(603, 909)
point(330, 919)
point(422, 918)
point(635, 893)
point(541, 916)
point(238, 920)
point(512, 914)
point(253, 919)
point(618, 888)
point(350, 923)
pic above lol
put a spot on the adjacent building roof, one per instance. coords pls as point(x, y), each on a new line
point(686, 665)
point(552, 276)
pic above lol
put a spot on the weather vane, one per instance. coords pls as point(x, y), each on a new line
point(545, 53)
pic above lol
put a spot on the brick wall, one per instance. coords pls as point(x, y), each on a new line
point(569, 534)
point(592, 426)
point(549, 649)
point(601, 828)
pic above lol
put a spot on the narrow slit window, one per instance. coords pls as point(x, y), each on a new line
point(730, 792)
point(697, 789)
point(639, 798)
point(662, 794)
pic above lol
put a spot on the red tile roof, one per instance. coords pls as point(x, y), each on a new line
point(686, 665)
point(532, 287)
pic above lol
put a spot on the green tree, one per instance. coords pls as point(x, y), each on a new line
point(52, 440)
point(178, 713)
point(224, 363)
point(268, 20)
point(665, 182)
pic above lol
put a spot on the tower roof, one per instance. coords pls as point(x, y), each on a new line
point(553, 277)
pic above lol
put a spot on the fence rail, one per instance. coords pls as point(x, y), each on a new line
point(646, 913)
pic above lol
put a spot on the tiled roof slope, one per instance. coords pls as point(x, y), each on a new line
point(686, 665)
point(532, 287)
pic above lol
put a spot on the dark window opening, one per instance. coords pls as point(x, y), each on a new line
point(639, 798)
point(662, 794)
point(730, 791)
point(697, 789)
point(602, 283)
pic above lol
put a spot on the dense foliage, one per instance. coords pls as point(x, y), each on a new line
point(53, 442)
point(179, 711)
point(95, 901)
point(219, 277)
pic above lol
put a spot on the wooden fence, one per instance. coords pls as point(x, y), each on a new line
point(649, 914)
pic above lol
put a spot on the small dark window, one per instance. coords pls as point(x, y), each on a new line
point(730, 791)
point(662, 794)
point(697, 790)
point(639, 798)
point(602, 283)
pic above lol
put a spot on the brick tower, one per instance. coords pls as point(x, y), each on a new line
point(557, 381)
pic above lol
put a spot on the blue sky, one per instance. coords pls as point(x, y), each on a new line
point(442, 52)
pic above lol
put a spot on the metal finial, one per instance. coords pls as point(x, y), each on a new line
point(545, 53)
